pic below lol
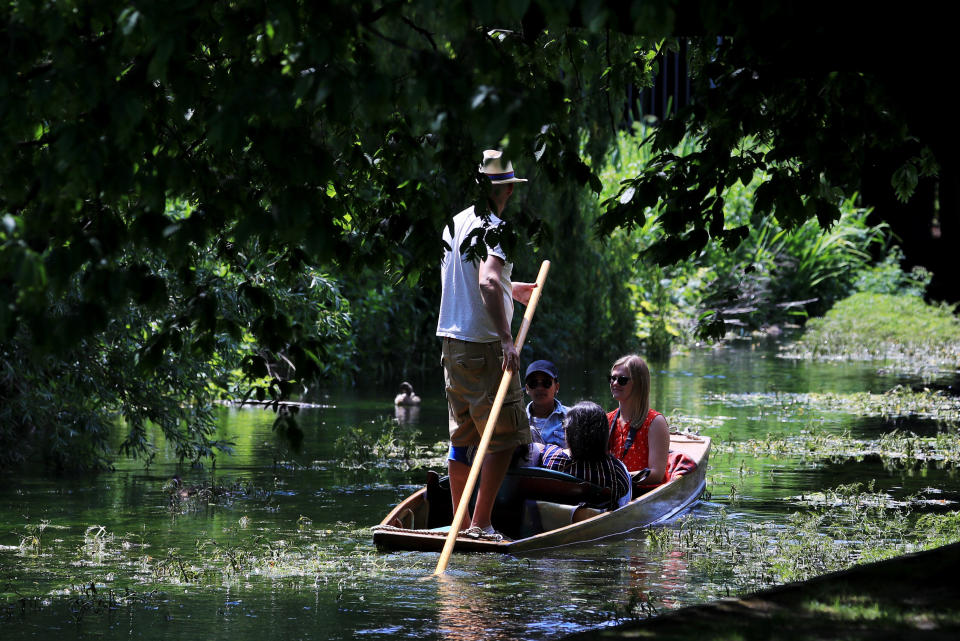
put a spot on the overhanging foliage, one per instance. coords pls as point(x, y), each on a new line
point(155, 155)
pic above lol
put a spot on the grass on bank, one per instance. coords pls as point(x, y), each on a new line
point(904, 332)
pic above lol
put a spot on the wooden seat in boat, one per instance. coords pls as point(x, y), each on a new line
point(520, 485)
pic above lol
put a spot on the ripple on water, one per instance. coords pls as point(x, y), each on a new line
point(328, 579)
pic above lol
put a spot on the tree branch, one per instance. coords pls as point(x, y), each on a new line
point(36, 71)
point(392, 41)
point(426, 34)
point(613, 124)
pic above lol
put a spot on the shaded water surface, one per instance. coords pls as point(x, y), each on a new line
point(281, 547)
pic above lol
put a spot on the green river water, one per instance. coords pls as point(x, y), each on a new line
point(285, 552)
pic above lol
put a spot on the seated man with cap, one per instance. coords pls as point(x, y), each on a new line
point(545, 412)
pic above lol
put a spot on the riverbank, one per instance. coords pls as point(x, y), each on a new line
point(909, 597)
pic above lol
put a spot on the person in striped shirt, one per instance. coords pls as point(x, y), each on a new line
point(586, 455)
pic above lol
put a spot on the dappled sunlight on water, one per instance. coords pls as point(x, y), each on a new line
point(274, 541)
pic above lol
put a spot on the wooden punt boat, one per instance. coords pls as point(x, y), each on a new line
point(417, 523)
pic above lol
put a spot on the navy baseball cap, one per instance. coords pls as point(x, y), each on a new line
point(546, 367)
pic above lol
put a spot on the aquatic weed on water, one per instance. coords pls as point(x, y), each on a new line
point(640, 605)
point(32, 542)
point(382, 443)
point(96, 539)
point(896, 449)
point(844, 526)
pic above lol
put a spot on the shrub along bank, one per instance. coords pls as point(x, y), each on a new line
point(903, 332)
point(608, 293)
point(780, 273)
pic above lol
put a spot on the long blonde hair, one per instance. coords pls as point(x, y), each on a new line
point(639, 399)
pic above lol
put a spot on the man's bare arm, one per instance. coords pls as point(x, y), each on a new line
point(491, 272)
point(523, 291)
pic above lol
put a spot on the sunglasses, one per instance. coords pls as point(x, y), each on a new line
point(534, 383)
point(619, 380)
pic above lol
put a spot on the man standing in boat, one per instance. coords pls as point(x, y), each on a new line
point(476, 308)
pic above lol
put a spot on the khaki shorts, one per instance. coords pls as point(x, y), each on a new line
point(472, 372)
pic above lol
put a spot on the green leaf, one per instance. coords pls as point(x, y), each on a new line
point(827, 212)
point(670, 134)
point(157, 69)
point(128, 20)
point(904, 181)
point(764, 198)
point(595, 185)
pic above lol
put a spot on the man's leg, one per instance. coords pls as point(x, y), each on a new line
point(458, 479)
point(469, 400)
point(461, 425)
point(492, 473)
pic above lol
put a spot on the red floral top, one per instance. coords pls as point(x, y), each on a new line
point(638, 456)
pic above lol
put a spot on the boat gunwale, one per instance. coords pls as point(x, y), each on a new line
point(385, 533)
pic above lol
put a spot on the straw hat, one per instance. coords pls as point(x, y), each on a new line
point(495, 170)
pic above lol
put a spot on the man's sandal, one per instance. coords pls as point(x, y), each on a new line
point(477, 532)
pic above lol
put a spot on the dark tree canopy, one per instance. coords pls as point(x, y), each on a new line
point(176, 177)
point(824, 100)
point(322, 133)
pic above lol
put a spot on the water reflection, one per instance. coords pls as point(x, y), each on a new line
point(465, 614)
point(652, 587)
point(407, 414)
point(373, 595)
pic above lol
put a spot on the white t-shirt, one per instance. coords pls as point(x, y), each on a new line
point(462, 313)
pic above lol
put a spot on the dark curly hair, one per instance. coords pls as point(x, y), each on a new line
point(587, 431)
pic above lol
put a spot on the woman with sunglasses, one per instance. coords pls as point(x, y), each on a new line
point(639, 435)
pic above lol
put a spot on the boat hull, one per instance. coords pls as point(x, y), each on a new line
point(405, 528)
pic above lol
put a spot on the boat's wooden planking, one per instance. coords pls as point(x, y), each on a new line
point(402, 529)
